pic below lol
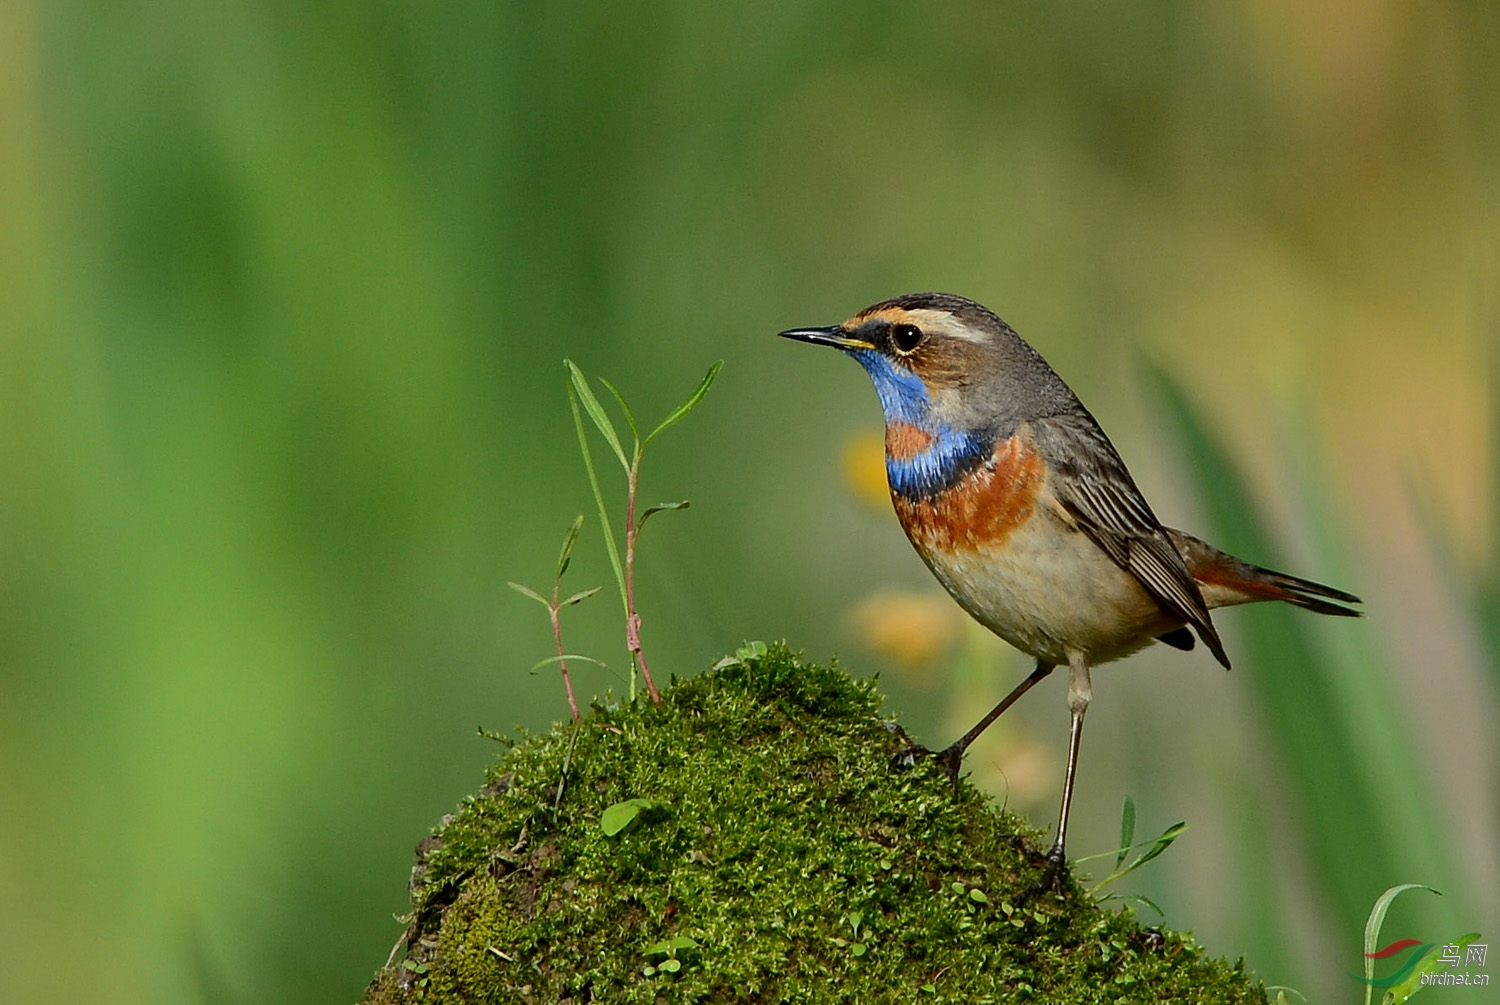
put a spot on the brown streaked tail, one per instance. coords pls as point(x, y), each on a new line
point(1225, 581)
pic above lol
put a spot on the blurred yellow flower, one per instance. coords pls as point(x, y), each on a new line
point(864, 468)
point(913, 630)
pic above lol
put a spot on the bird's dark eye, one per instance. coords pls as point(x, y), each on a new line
point(906, 337)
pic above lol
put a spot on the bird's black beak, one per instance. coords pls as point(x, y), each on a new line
point(833, 335)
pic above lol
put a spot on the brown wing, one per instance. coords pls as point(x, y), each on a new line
point(1088, 478)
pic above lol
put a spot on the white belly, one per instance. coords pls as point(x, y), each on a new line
point(1048, 590)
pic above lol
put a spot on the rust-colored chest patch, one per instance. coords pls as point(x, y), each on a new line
point(982, 508)
point(903, 441)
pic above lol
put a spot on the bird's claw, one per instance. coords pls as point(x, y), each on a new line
point(950, 759)
point(1054, 873)
point(906, 758)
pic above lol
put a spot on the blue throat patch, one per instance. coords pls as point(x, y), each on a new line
point(902, 393)
point(953, 453)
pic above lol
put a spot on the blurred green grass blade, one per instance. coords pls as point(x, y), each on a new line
point(1476, 583)
point(1487, 594)
point(1333, 806)
point(1374, 720)
point(1127, 830)
point(1263, 932)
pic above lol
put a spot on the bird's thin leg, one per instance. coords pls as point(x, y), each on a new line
point(952, 756)
point(1080, 692)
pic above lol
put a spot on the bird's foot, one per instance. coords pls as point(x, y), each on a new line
point(906, 758)
point(950, 759)
point(1020, 842)
point(1054, 877)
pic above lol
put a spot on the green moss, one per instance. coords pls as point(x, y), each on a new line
point(799, 864)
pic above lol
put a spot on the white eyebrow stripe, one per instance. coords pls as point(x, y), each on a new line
point(942, 323)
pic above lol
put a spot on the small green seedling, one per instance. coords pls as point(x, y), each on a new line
point(555, 606)
point(1014, 917)
point(747, 653)
point(418, 978)
point(856, 946)
point(1153, 849)
point(670, 948)
point(580, 392)
point(622, 816)
point(972, 898)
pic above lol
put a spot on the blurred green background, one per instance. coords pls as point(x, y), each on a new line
point(284, 294)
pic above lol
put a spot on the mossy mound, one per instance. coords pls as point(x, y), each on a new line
point(774, 856)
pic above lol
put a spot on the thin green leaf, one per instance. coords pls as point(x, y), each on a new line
point(569, 540)
point(588, 463)
point(1115, 851)
point(657, 509)
point(687, 406)
point(1158, 846)
point(1149, 903)
point(1376, 919)
point(527, 591)
point(567, 656)
point(580, 596)
point(1127, 829)
point(591, 405)
point(629, 415)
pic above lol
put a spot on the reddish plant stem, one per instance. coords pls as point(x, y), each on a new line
point(632, 619)
point(557, 638)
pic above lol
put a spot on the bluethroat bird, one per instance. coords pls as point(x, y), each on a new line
point(1022, 509)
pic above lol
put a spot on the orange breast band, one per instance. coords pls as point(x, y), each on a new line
point(981, 509)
